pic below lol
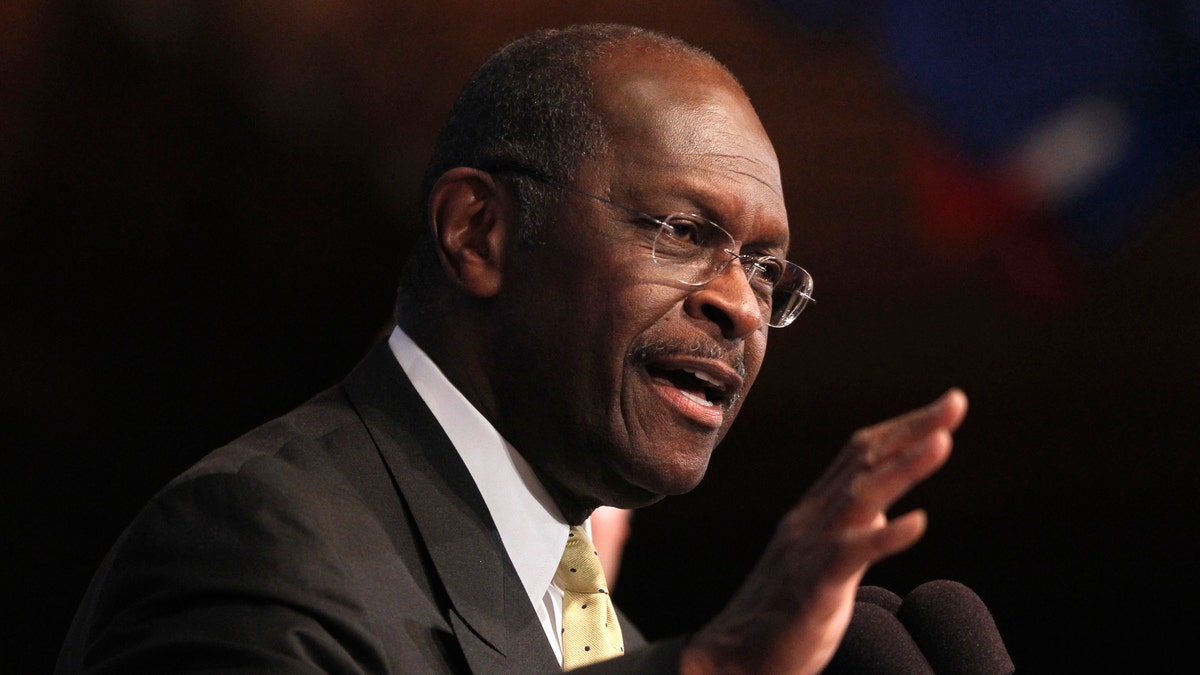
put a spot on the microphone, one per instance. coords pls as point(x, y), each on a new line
point(877, 643)
point(878, 595)
point(954, 630)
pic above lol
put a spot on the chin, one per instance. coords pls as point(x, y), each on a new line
point(661, 480)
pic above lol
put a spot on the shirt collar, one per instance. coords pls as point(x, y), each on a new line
point(530, 525)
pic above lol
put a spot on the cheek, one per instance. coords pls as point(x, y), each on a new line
point(630, 311)
point(598, 315)
point(619, 295)
point(756, 351)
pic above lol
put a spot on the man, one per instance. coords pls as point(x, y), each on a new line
point(557, 349)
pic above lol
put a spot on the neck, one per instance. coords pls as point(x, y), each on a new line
point(459, 353)
point(458, 345)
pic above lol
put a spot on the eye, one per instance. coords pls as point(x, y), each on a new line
point(764, 274)
point(685, 238)
point(679, 229)
point(766, 269)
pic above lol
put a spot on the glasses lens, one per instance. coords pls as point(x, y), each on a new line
point(695, 250)
point(692, 247)
point(791, 295)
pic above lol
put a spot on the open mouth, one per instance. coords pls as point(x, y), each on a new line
point(696, 385)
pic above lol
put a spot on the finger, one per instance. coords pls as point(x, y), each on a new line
point(877, 489)
point(866, 546)
point(872, 446)
point(881, 440)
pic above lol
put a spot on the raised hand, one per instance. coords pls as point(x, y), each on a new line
point(793, 609)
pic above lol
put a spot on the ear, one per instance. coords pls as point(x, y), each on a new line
point(473, 217)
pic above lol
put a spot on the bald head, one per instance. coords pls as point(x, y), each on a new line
point(532, 104)
point(669, 111)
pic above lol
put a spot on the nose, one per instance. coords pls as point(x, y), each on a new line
point(727, 301)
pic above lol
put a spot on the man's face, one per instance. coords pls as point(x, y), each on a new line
point(618, 381)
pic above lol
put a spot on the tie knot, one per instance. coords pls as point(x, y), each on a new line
point(580, 571)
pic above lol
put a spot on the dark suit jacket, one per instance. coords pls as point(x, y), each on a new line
point(346, 536)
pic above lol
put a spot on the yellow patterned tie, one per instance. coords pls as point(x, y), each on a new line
point(590, 630)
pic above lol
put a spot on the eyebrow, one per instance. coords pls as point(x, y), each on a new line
point(701, 202)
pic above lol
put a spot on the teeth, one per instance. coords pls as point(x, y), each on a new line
point(698, 399)
point(704, 376)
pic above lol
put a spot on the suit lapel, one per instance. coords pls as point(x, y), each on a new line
point(489, 609)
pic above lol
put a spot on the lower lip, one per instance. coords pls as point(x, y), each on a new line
point(708, 416)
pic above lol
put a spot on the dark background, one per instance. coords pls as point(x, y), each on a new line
point(203, 208)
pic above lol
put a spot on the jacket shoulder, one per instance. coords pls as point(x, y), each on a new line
point(287, 549)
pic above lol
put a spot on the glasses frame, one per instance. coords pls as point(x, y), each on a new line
point(797, 290)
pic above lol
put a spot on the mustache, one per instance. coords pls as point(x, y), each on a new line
point(651, 349)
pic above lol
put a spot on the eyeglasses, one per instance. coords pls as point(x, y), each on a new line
point(695, 250)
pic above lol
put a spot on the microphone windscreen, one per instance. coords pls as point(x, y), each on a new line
point(954, 629)
point(878, 595)
point(877, 643)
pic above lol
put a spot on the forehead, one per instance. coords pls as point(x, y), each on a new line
point(680, 127)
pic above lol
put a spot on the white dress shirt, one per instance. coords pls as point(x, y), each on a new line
point(530, 524)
